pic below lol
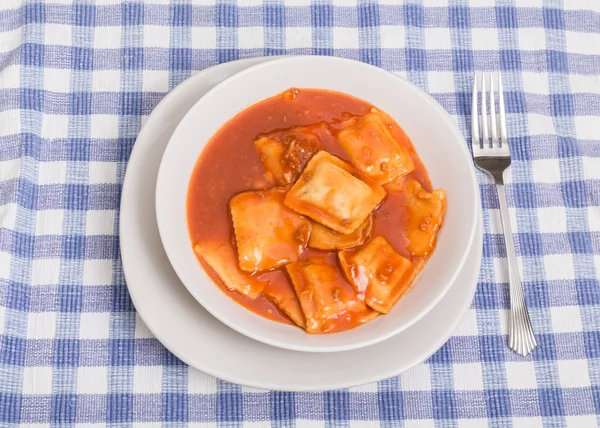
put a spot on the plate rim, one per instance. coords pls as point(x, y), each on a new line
point(224, 376)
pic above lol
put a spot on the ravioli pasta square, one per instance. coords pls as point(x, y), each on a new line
point(373, 149)
point(221, 258)
point(285, 154)
point(333, 193)
point(378, 273)
point(425, 215)
point(324, 238)
point(326, 298)
point(267, 233)
point(284, 296)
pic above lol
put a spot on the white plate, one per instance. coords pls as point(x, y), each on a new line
point(203, 342)
point(436, 138)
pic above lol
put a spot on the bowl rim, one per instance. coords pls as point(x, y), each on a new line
point(249, 332)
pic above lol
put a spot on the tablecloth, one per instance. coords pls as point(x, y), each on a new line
point(77, 80)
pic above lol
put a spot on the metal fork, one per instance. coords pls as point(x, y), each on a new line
point(493, 156)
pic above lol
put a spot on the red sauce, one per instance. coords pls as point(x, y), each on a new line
point(230, 164)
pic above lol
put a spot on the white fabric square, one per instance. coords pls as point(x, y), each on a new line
point(581, 421)
point(365, 424)
point(100, 222)
point(8, 215)
point(107, 37)
point(49, 222)
point(574, 373)
point(535, 83)
point(345, 38)
point(441, 82)
point(436, 3)
point(45, 271)
point(582, 42)
point(10, 77)
point(566, 319)
point(437, 38)
point(157, 36)
point(594, 219)
point(495, 221)
point(467, 377)
point(97, 272)
point(41, 325)
point(104, 126)
point(392, 36)
point(552, 219)
point(204, 37)
point(147, 379)
point(10, 121)
point(141, 330)
point(52, 172)
point(201, 383)
point(155, 81)
point(532, 38)
point(559, 266)
point(94, 325)
point(55, 126)
point(102, 172)
point(106, 80)
point(418, 423)
point(500, 270)
point(4, 270)
point(540, 124)
point(546, 171)
point(484, 39)
point(57, 80)
point(527, 422)
point(92, 380)
point(37, 380)
point(298, 37)
point(251, 38)
point(587, 127)
point(468, 325)
point(416, 379)
point(57, 34)
point(583, 84)
point(521, 375)
point(591, 168)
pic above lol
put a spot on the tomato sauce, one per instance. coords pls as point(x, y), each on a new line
point(230, 164)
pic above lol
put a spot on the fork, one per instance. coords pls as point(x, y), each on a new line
point(492, 155)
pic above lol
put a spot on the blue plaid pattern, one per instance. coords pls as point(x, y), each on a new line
point(78, 78)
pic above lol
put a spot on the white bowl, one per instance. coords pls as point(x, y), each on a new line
point(434, 134)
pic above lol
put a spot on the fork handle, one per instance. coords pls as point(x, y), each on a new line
point(521, 338)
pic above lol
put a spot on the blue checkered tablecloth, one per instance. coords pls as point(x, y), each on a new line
point(77, 79)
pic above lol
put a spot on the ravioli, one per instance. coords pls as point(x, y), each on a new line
point(324, 238)
point(333, 193)
point(285, 154)
point(425, 215)
point(329, 303)
point(267, 233)
point(284, 296)
point(373, 149)
point(221, 258)
point(378, 273)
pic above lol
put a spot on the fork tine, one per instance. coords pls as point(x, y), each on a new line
point(484, 120)
point(493, 126)
point(502, 112)
point(475, 137)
